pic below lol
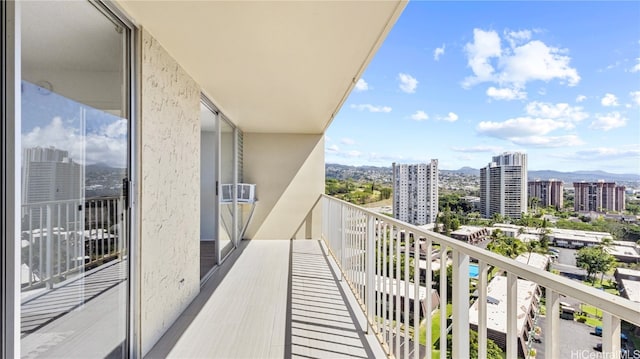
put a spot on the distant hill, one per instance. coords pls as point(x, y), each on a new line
point(371, 172)
point(588, 176)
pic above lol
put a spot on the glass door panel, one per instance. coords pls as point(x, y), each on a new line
point(74, 146)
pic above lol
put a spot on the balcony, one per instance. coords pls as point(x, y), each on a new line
point(340, 297)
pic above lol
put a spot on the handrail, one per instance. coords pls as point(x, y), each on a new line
point(375, 252)
point(615, 305)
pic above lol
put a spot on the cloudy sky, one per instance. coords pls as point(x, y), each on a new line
point(463, 81)
point(90, 136)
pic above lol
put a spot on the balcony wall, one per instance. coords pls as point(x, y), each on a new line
point(288, 170)
point(169, 202)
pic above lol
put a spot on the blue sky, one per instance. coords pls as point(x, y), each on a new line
point(463, 81)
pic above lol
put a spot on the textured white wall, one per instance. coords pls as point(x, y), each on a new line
point(169, 196)
point(288, 171)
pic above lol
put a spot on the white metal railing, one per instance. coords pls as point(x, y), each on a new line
point(59, 238)
point(377, 257)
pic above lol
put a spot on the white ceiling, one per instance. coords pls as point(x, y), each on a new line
point(271, 66)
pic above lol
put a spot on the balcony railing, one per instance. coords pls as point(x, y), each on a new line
point(379, 258)
point(61, 238)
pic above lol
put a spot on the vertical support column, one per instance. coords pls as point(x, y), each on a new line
point(370, 263)
point(610, 336)
point(417, 302)
point(398, 314)
point(512, 318)
point(551, 339)
point(460, 300)
point(482, 310)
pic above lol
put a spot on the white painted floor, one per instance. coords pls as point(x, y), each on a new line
point(271, 299)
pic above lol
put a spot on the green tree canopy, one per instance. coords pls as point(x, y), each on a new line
point(594, 260)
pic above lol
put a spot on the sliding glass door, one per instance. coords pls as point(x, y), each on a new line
point(74, 151)
point(228, 203)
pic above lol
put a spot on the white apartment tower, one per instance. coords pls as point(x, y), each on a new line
point(415, 192)
point(503, 186)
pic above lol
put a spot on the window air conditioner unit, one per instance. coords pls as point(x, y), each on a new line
point(246, 192)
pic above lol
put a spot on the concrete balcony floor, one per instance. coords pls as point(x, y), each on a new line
point(272, 299)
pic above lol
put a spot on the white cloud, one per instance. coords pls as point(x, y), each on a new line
point(608, 121)
point(450, 117)
point(506, 93)
point(348, 141)
point(636, 68)
point(609, 100)
point(517, 37)
point(107, 145)
point(486, 45)
point(490, 149)
point(438, 52)
point(635, 97)
point(547, 141)
point(371, 108)
point(522, 61)
point(362, 85)
point(521, 127)
point(560, 111)
point(408, 83)
point(605, 153)
point(581, 98)
point(333, 148)
point(419, 116)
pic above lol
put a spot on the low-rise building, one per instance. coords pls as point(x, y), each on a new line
point(470, 234)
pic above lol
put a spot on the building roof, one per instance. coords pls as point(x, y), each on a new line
point(628, 272)
point(535, 260)
point(497, 306)
point(632, 289)
point(467, 230)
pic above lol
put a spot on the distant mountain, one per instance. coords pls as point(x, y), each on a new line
point(588, 176)
point(376, 173)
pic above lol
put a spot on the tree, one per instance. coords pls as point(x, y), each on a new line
point(594, 260)
point(507, 246)
point(493, 350)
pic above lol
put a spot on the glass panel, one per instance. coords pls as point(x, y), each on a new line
point(227, 206)
point(208, 198)
point(74, 139)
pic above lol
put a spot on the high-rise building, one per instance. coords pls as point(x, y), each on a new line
point(49, 175)
point(548, 192)
point(598, 196)
point(415, 192)
point(503, 186)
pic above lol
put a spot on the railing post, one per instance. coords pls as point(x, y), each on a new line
point(370, 264)
point(512, 319)
point(460, 301)
point(610, 336)
point(342, 240)
point(443, 301)
point(482, 310)
point(49, 251)
point(551, 339)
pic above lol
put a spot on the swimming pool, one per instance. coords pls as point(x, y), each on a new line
point(473, 270)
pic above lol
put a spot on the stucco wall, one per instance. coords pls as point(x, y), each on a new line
point(169, 200)
point(288, 171)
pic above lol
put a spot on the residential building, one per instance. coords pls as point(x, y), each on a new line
point(598, 196)
point(503, 186)
point(186, 99)
point(548, 193)
point(415, 192)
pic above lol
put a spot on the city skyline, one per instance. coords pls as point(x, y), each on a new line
point(464, 81)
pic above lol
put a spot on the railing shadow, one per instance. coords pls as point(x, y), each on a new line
point(320, 323)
